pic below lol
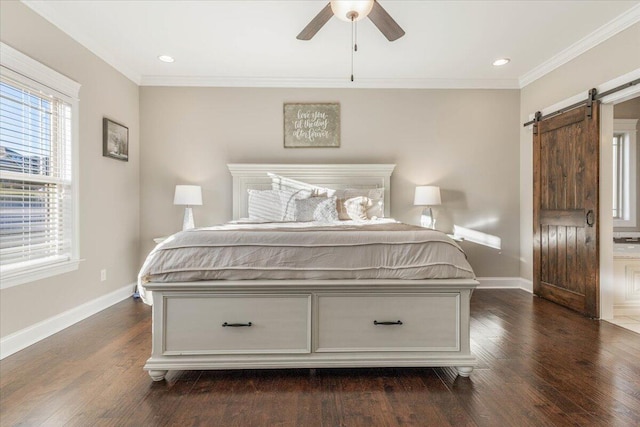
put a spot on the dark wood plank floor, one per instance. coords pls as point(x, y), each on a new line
point(540, 365)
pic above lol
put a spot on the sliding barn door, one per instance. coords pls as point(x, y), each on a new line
point(566, 152)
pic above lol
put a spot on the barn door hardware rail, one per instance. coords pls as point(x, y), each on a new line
point(593, 96)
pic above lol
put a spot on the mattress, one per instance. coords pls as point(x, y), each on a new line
point(383, 249)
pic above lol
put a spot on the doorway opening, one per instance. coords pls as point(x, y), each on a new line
point(626, 214)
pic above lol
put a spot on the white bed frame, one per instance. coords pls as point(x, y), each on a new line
point(255, 324)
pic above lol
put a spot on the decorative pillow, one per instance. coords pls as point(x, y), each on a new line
point(356, 207)
point(274, 205)
point(288, 184)
point(321, 209)
point(374, 209)
point(265, 205)
point(288, 200)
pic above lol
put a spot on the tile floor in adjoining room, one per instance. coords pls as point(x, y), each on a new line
point(628, 322)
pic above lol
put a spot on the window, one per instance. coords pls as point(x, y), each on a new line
point(38, 176)
point(618, 176)
point(624, 173)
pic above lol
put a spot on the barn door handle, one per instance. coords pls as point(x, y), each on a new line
point(590, 218)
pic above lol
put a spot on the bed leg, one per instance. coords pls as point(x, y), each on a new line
point(464, 371)
point(157, 375)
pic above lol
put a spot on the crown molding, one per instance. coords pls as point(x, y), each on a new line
point(608, 30)
point(359, 83)
point(49, 12)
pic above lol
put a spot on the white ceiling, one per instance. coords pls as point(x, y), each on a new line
point(253, 43)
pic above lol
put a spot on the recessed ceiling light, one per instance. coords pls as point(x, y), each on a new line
point(501, 61)
point(166, 58)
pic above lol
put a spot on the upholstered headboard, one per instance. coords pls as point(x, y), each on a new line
point(247, 176)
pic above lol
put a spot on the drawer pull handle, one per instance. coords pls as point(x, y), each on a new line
point(399, 322)
point(236, 325)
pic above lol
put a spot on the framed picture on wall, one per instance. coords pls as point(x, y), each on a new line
point(311, 125)
point(115, 140)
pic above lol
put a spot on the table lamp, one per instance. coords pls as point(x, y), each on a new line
point(427, 195)
point(189, 195)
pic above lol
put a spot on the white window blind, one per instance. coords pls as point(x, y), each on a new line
point(35, 186)
point(625, 166)
point(618, 176)
point(38, 188)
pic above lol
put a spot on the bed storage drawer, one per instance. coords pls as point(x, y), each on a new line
point(236, 324)
point(388, 322)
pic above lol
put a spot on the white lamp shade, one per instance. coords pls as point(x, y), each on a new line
point(427, 195)
point(343, 9)
point(188, 195)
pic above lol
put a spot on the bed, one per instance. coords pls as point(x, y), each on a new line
point(371, 293)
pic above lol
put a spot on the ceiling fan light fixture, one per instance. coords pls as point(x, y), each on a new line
point(348, 10)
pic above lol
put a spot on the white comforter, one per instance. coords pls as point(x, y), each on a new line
point(343, 250)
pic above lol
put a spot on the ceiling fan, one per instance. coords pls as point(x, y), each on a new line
point(352, 11)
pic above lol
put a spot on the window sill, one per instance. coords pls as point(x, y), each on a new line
point(624, 223)
point(10, 279)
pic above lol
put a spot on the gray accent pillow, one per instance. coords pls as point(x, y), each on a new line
point(320, 209)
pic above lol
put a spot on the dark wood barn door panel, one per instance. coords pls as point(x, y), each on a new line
point(566, 155)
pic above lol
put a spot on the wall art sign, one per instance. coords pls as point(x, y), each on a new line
point(115, 140)
point(311, 125)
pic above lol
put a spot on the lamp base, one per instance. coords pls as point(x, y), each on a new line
point(427, 219)
point(187, 222)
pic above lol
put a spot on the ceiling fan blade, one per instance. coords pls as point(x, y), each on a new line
point(385, 22)
point(316, 23)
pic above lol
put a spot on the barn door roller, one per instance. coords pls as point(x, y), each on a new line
point(536, 119)
point(590, 100)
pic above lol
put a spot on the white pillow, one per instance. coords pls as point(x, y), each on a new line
point(375, 207)
point(321, 209)
point(274, 205)
point(265, 205)
point(288, 184)
point(356, 207)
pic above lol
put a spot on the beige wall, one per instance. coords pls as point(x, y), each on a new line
point(465, 141)
point(109, 189)
point(610, 59)
point(631, 110)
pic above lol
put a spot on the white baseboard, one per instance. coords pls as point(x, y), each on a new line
point(505, 283)
point(30, 335)
point(25, 337)
point(626, 309)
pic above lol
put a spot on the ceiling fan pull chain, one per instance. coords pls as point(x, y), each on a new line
point(353, 43)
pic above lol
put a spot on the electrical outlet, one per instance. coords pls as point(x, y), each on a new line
point(103, 274)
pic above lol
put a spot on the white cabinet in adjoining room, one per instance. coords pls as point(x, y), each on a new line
point(626, 270)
